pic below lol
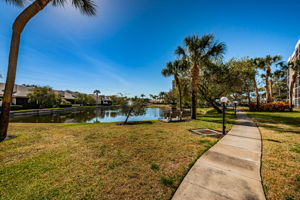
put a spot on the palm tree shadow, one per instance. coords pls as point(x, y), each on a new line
point(273, 122)
point(217, 119)
point(278, 129)
point(135, 122)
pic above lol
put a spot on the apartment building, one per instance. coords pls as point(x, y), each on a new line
point(296, 95)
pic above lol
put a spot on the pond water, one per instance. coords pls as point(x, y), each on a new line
point(91, 116)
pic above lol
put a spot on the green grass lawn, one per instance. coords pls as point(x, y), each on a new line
point(101, 161)
point(281, 153)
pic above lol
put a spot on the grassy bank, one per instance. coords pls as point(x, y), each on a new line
point(101, 161)
point(281, 153)
point(159, 106)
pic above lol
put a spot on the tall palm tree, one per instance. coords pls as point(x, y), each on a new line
point(271, 85)
point(197, 53)
point(280, 79)
point(161, 95)
point(97, 92)
point(265, 64)
point(295, 68)
point(86, 7)
point(253, 73)
point(175, 69)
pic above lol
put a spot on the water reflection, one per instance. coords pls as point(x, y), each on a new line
point(91, 116)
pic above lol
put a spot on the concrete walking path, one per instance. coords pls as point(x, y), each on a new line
point(230, 169)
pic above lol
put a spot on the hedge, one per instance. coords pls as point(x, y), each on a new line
point(269, 107)
point(14, 107)
point(65, 105)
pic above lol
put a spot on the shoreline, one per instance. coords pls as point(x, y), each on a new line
point(47, 111)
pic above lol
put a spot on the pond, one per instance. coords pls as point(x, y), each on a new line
point(91, 116)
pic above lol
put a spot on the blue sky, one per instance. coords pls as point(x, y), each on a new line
point(124, 47)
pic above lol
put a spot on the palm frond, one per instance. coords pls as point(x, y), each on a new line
point(87, 7)
point(168, 70)
point(206, 41)
point(216, 49)
point(19, 3)
point(277, 58)
point(180, 51)
point(58, 2)
point(192, 44)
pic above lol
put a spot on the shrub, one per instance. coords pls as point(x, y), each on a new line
point(45, 97)
point(270, 107)
point(16, 107)
point(65, 105)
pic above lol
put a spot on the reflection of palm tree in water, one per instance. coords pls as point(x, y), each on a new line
point(100, 113)
point(113, 114)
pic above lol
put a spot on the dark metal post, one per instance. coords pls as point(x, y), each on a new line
point(224, 127)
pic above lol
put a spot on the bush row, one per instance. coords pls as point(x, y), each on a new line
point(25, 107)
point(65, 105)
point(14, 107)
point(269, 107)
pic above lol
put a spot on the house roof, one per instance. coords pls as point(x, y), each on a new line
point(66, 94)
point(19, 90)
point(22, 91)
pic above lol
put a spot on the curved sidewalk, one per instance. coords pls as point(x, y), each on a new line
point(230, 169)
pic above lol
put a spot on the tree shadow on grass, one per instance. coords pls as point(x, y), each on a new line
point(135, 122)
point(278, 129)
point(273, 121)
point(217, 118)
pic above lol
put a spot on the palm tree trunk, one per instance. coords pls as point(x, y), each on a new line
point(271, 89)
point(248, 96)
point(179, 91)
point(18, 27)
point(291, 91)
point(256, 93)
point(195, 74)
point(268, 70)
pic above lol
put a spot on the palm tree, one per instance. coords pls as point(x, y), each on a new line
point(161, 95)
point(295, 68)
point(253, 72)
point(197, 52)
point(280, 78)
point(86, 7)
point(97, 92)
point(174, 69)
point(265, 64)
